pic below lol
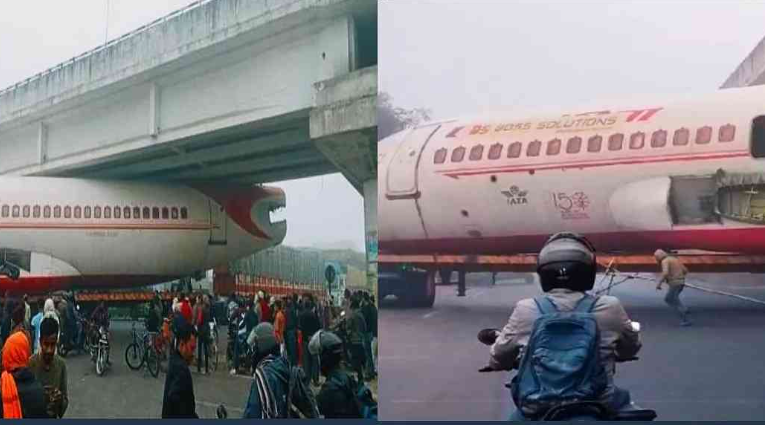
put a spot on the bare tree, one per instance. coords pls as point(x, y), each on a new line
point(391, 119)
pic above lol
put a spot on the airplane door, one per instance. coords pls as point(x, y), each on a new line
point(402, 170)
point(218, 223)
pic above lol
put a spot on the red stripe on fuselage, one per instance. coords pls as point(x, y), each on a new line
point(748, 240)
point(125, 226)
point(46, 284)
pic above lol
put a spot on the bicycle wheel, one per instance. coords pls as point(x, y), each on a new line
point(152, 361)
point(134, 357)
point(100, 363)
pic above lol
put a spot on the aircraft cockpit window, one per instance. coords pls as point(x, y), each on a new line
point(659, 139)
point(616, 142)
point(438, 158)
point(495, 151)
point(681, 137)
point(97, 212)
point(476, 153)
point(758, 137)
point(107, 212)
point(727, 133)
point(86, 212)
point(165, 213)
point(185, 213)
point(36, 211)
point(637, 140)
point(6, 210)
point(458, 154)
point(594, 144)
point(78, 212)
point(534, 148)
point(25, 211)
point(514, 150)
point(117, 212)
point(146, 213)
point(57, 211)
point(67, 212)
point(574, 145)
point(174, 212)
point(704, 135)
point(553, 147)
point(16, 211)
point(46, 211)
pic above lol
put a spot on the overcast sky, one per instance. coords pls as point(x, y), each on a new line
point(463, 57)
point(36, 35)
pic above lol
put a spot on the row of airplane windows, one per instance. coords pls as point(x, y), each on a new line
point(681, 137)
point(77, 211)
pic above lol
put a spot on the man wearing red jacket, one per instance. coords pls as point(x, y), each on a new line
point(186, 310)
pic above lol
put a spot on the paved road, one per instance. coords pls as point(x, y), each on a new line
point(123, 393)
point(711, 371)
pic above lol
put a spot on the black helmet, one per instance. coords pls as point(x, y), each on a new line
point(327, 346)
point(567, 260)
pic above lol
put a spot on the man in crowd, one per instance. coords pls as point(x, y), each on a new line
point(335, 399)
point(50, 369)
point(178, 399)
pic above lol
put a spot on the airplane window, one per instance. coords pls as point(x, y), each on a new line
point(704, 135)
point(758, 137)
point(86, 212)
point(615, 142)
point(25, 211)
point(126, 212)
point(594, 144)
point(495, 151)
point(165, 213)
point(553, 147)
point(36, 211)
point(514, 150)
point(727, 133)
point(67, 212)
point(136, 213)
point(476, 153)
point(681, 137)
point(107, 212)
point(77, 212)
point(574, 145)
point(155, 213)
point(46, 211)
point(440, 156)
point(97, 212)
point(659, 139)
point(57, 211)
point(458, 154)
point(6, 210)
point(175, 213)
point(146, 213)
point(534, 148)
point(185, 212)
point(16, 210)
point(117, 212)
point(637, 140)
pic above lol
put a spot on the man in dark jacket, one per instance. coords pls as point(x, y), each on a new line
point(290, 329)
point(276, 376)
point(369, 311)
point(357, 328)
point(309, 325)
point(178, 400)
point(336, 397)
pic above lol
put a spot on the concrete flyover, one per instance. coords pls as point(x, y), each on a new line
point(253, 91)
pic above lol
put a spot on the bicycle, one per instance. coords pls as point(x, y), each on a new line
point(212, 346)
point(143, 351)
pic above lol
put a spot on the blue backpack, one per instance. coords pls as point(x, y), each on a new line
point(561, 363)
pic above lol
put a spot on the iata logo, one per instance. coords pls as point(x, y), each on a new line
point(516, 196)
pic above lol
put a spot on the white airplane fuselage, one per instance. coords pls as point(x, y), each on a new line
point(688, 174)
point(77, 238)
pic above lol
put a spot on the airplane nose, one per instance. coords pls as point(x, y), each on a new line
point(250, 208)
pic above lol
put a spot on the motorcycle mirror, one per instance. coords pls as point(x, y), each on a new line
point(488, 336)
point(221, 412)
point(342, 314)
point(635, 326)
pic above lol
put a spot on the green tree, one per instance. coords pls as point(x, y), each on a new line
point(392, 119)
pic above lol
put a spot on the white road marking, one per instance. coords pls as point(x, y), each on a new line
point(429, 314)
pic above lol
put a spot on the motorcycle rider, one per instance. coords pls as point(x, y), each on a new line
point(566, 267)
point(335, 398)
point(100, 317)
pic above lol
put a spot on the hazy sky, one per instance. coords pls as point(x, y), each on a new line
point(36, 35)
point(462, 57)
